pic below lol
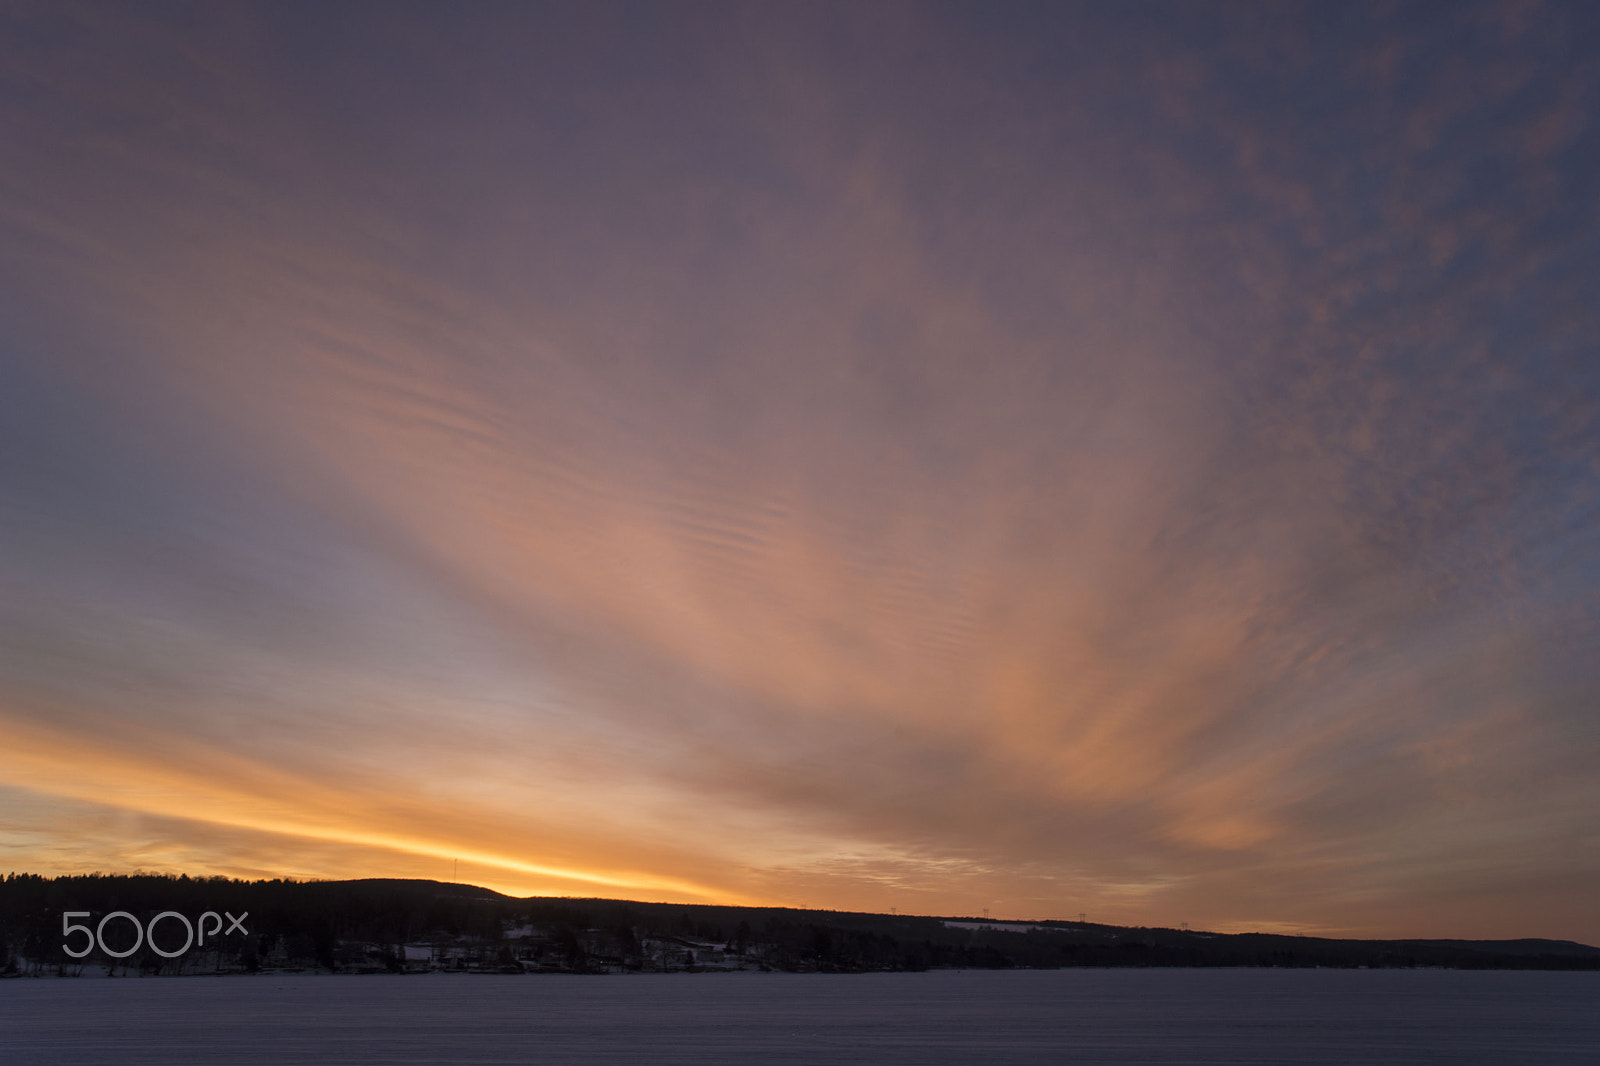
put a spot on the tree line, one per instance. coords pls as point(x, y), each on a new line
point(399, 926)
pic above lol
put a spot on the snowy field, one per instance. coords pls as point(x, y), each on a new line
point(1060, 1016)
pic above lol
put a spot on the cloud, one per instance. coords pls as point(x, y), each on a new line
point(1152, 481)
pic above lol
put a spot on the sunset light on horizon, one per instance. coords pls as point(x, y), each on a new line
point(1134, 459)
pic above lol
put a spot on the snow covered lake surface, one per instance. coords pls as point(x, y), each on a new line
point(1054, 1016)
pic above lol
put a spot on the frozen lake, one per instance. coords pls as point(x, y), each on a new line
point(1058, 1016)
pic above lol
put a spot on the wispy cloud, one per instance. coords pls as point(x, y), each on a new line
point(880, 460)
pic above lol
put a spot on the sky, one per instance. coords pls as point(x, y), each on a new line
point(1138, 460)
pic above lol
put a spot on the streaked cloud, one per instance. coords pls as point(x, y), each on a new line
point(931, 458)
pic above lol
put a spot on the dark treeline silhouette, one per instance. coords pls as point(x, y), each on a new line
point(395, 926)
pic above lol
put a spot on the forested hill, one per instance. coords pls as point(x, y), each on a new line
point(145, 924)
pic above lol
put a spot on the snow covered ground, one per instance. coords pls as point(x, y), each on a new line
point(1006, 927)
point(1059, 1016)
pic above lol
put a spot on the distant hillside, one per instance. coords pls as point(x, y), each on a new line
point(139, 924)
